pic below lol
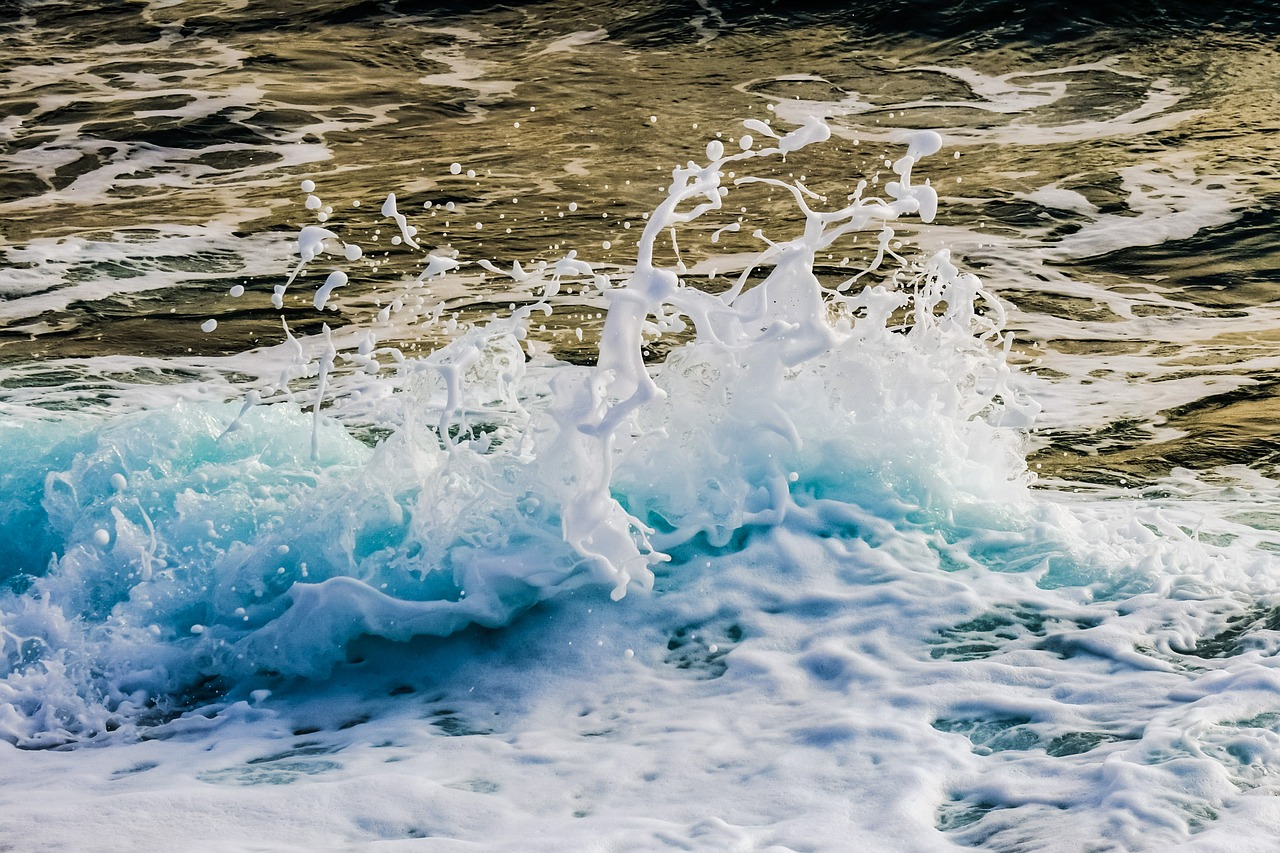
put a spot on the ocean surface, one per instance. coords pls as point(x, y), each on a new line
point(566, 426)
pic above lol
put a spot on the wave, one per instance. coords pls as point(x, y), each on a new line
point(165, 557)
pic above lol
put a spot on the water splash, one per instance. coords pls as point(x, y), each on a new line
point(206, 545)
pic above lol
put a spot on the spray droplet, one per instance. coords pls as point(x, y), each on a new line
point(455, 168)
point(336, 279)
point(209, 325)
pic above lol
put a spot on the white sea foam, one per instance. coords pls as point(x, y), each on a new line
point(1022, 94)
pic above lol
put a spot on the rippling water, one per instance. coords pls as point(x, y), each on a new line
point(353, 368)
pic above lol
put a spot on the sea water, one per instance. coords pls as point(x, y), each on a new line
point(724, 543)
